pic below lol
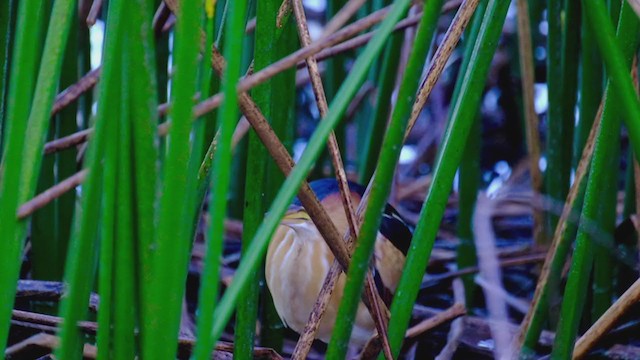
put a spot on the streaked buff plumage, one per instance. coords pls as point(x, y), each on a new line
point(298, 261)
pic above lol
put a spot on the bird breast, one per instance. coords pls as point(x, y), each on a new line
point(297, 263)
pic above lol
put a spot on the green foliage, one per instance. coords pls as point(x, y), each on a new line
point(469, 170)
point(127, 233)
point(29, 104)
point(227, 118)
point(560, 114)
point(378, 126)
point(598, 205)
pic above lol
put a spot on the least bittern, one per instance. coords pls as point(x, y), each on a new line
point(298, 261)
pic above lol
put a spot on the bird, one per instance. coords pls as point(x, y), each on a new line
point(298, 260)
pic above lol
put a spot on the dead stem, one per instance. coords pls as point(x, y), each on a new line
point(73, 92)
point(372, 347)
point(457, 326)
point(88, 81)
point(607, 320)
point(422, 327)
point(342, 17)
point(311, 327)
point(54, 192)
point(160, 18)
point(50, 323)
point(441, 57)
point(360, 40)
point(323, 107)
point(46, 341)
point(283, 12)
point(96, 6)
point(67, 141)
point(491, 273)
point(520, 260)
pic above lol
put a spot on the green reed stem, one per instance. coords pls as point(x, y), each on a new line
point(7, 29)
point(108, 240)
point(617, 69)
point(255, 202)
point(469, 171)
point(578, 279)
point(559, 128)
point(79, 270)
point(447, 162)
point(144, 149)
point(590, 89)
point(169, 262)
point(376, 130)
point(571, 36)
point(551, 292)
point(124, 304)
point(227, 118)
point(51, 225)
point(283, 121)
point(26, 134)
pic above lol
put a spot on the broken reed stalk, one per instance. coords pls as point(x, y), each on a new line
point(607, 320)
point(283, 12)
point(311, 327)
point(94, 11)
